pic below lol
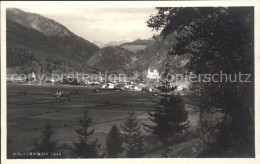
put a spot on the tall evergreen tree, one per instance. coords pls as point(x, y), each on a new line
point(85, 148)
point(114, 142)
point(46, 145)
point(169, 122)
point(169, 118)
point(132, 136)
point(204, 33)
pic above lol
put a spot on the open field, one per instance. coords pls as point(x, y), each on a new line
point(29, 107)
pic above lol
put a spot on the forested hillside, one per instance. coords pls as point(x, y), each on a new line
point(43, 44)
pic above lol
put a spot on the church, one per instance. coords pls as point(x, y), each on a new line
point(152, 74)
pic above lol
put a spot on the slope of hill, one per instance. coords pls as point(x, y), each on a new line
point(139, 42)
point(39, 44)
point(42, 41)
point(30, 20)
point(99, 44)
point(112, 59)
point(137, 45)
point(154, 56)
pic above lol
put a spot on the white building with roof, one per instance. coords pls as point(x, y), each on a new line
point(152, 74)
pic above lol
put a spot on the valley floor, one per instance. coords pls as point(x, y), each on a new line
point(29, 107)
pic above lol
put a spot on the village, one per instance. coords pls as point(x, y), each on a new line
point(149, 83)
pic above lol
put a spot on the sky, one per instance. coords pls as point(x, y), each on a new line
point(102, 24)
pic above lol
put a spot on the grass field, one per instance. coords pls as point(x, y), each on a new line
point(29, 107)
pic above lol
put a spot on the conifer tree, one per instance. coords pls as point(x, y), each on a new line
point(46, 145)
point(85, 148)
point(169, 118)
point(132, 136)
point(114, 142)
point(205, 36)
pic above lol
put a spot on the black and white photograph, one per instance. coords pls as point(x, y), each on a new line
point(129, 82)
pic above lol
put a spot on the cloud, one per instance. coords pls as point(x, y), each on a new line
point(102, 24)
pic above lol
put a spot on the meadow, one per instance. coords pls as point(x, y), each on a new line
point(29, 107)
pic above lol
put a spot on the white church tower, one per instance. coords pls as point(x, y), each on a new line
point(152, 74)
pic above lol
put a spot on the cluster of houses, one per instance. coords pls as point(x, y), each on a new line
point(149, 84)
point(123, 86)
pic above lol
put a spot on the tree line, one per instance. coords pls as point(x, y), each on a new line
point(217, 39)
point(128, 140)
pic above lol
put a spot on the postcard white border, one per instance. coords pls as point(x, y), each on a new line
point(130, 4)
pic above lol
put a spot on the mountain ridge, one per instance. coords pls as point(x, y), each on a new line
point(45, 40)
point(137, 45)
point(47, 46)
point(35, 21)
